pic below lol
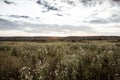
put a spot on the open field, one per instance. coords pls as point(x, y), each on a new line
point(90, 60)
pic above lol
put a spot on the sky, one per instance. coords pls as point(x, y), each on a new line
point(59, 17)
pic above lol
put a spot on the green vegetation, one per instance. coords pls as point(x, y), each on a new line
point(95, 60)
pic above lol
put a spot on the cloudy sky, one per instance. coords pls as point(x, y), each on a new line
point(59, 17)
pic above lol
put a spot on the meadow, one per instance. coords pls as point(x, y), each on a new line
point(90, 60)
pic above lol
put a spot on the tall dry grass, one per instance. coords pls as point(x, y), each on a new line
point(59, 61)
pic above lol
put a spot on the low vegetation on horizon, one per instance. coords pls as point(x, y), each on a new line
point(85, 60)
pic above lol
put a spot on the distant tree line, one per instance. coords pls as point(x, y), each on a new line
point(69, 38)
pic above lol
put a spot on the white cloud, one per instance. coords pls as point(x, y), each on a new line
point(96, 17)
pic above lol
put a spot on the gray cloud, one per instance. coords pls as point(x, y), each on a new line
point(40, 28)
point(8, 25)
point(99, 21)
point(36, 28)
point(17, 16)
point(8, 2)
point(112, 19)
point(115, 18)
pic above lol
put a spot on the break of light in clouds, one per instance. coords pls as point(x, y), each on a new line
point(59, 17)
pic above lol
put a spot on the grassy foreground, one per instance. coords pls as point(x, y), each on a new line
point(97, 60)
